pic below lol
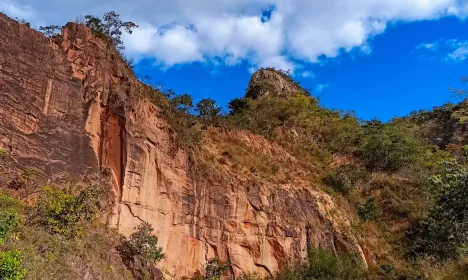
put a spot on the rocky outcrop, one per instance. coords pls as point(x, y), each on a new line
point(72, 108)
point(269, 81)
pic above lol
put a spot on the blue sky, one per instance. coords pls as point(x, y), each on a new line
point(379, 58)
point(395, 78)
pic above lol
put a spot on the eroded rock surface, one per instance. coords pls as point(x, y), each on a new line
point(71, 107)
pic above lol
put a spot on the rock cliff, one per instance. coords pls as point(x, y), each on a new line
point(268, 81)
point(71, 107)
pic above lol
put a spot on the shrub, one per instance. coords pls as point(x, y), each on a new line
point(324, 264)
point(63, 212)
point(388, 147)
point(29, 173)
point(9, 221)
point(387, 268)
point(214, 270)
point(444, 233)
point(368, 210)
point(10, 265)
point(4, 153)
point(344, 178)
point(142, 243)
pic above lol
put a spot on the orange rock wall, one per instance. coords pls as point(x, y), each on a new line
point(71, 107)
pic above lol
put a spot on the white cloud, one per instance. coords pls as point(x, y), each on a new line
point(460, 52)
point(307, 74)
point(452, 50)
point(428, 46)
point(297, 31)
point(320, 87)
point(15, 10)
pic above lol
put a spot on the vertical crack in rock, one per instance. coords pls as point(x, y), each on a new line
point(45, 111)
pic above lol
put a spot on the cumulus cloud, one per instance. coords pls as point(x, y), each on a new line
point(278, 33)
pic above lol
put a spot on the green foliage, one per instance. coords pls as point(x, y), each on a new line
point(143, 243)
point(324, 264)
point(110, 26)
point(10, 265)
point(50, 30)
point(183, 103)
point(344, 178)
point(4, 153)
point(207, 108)
point(9, 221)
point(444, 233)
point(387, 268)
point(388, 147)
point(368, 210)
point(297, 122)
point(176, 111)
point(64, 213)
point(237, 105)
point(29, 173)
point(214, 270)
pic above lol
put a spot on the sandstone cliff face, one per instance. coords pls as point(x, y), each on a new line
point(71, 107)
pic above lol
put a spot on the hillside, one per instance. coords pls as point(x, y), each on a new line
point(276, 181)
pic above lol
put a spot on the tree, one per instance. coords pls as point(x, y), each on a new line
point(215, 269)
point(444, 233)
point(142, 243)
point(50, 30)
point(207, 108)
point(388, 147)
point(183, 103)
point(110, 26)
point(237, 105)
point(23, 21)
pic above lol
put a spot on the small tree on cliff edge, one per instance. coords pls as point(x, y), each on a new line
point(110, 26)
point(50, 30)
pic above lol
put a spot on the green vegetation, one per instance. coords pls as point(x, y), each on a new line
point(388, 147)
point(111, 27)
point(207, 108)
point(57, 235)
point(142, 243)
point(4, 153)
point(10, 265)
point(213, 270)
point(444, 232)
point(50, 30)
point(324, 264)
point(64, 213)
